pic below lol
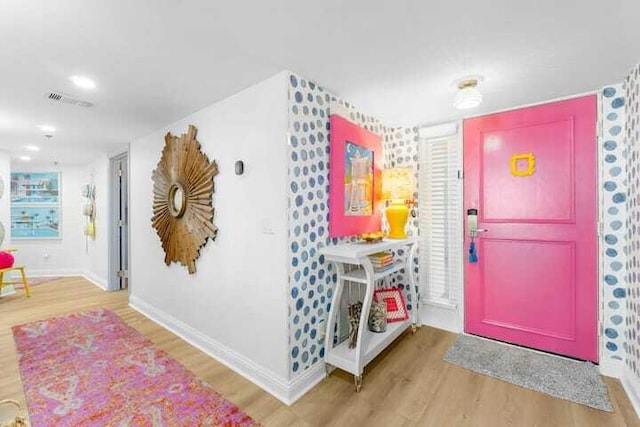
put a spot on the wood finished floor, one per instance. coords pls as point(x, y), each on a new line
point(408, 385)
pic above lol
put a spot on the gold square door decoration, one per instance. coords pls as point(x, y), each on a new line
point(531, 164)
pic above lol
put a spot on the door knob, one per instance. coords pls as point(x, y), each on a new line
point(475, 232)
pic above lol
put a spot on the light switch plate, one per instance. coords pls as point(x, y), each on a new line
point(267, 227)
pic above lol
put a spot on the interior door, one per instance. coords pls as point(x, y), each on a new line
point(531, 175)
point(119, 208)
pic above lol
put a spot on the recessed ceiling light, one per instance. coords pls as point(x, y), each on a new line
point(83, 82)
point(47, 129)
point(32, 148)
point(24, 158)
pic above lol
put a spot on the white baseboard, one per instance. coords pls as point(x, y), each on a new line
point(611, 368)
point(631, 386)
point(96, 280)
point(439, 316)
point(287, 391)
point(51, 272)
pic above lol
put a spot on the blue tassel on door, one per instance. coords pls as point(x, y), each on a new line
point(473, 253)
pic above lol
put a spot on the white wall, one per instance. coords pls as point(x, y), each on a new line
point(97, 262)
point(64, 256)
point(235, 306)
point(5, 174)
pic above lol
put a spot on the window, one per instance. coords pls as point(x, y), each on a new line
point(440, 214)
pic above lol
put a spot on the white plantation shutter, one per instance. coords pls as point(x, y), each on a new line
point(440, 207)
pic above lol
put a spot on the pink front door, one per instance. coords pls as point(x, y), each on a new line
point(531, 175)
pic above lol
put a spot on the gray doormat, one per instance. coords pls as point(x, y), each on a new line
point(579, 382)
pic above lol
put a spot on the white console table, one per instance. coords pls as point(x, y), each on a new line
point(369, 344)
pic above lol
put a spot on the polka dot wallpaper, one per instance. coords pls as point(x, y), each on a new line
point(632, 224)
point(613, 189)
point(401, 150)
point(311, 277)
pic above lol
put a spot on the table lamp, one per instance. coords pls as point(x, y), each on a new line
point(398, 185)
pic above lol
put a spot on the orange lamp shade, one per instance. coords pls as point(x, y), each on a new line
point(398, 185)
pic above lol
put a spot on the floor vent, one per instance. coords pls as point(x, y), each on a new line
point(67, 99)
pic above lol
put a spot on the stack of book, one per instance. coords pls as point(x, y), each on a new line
point(382, 260)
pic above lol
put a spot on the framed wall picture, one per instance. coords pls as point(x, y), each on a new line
point(358, 180)
point(35, 222)
point(36, 209)
point(396, 308)
point(354, 179)
point(35, 187)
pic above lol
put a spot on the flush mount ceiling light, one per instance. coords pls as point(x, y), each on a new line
point(468, 95)
point(83, 82)
point(24, 158)
point(32, 148)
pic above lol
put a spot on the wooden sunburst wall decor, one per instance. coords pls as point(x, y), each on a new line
point(183, 199)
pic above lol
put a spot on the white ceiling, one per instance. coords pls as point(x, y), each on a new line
point(155, 61)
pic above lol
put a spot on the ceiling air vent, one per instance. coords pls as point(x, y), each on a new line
point(67, 99)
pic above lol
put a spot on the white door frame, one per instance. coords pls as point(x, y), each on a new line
point(436, 317)
point(114, 225)
point(449, 317)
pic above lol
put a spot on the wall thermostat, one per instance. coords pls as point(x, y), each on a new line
point(239, 167)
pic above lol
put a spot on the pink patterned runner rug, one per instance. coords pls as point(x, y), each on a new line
point(92, 369)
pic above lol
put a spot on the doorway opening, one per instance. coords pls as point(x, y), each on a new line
point(119, 223)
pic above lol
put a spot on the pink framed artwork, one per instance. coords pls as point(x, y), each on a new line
point(354, 179)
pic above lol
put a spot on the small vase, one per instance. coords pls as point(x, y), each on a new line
point(378, 317)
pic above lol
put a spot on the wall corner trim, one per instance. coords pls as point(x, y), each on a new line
point(304, 382)
point(632, 390)
point(611, 368)
point(98, 281)
point(287, 391)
